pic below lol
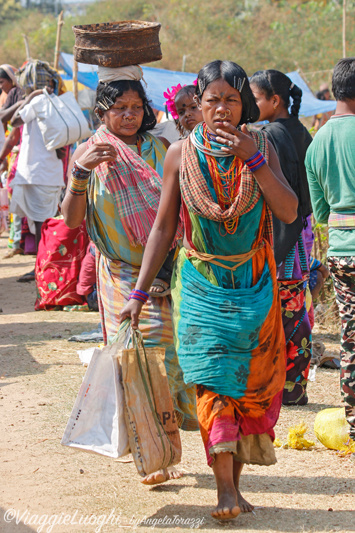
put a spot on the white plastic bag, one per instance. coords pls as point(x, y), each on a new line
point(60, 120)
point(97, 422)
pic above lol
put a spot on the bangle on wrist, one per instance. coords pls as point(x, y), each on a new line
point(139, 295)
point(78, 187)
point(81, 166)
point(79, 172)
point(255, 162)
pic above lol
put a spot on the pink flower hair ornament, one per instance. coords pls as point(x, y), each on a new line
point(169, 95)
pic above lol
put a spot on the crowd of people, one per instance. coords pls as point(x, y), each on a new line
point(204, 244)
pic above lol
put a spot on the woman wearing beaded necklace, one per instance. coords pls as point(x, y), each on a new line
point(227, 315)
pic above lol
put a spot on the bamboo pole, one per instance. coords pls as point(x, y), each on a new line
point(27, 47)
point(57, 43)
point(75, 79)
point(344, 28)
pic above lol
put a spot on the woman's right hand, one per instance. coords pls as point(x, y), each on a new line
point(131, 310)
point(97, 153)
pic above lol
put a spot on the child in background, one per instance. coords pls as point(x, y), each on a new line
point(183, 108)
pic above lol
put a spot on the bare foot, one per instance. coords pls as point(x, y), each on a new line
point(227, 506)
point(244, 505)
point(161, 476)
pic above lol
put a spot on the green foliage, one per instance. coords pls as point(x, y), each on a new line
point(257, 34)
point(9, 9)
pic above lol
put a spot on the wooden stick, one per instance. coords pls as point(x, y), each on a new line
point(57, 43)
point(27, 46)
point(344, 28)
point(75, 79)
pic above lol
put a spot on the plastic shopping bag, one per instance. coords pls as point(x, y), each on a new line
point(332, 430)
point(152, 427)
point(60, 120)
point(97, 422)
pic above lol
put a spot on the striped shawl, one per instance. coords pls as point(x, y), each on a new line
point(198, 199)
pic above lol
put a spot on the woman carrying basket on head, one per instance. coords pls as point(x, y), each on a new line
point(227, 314)
point(116, 179)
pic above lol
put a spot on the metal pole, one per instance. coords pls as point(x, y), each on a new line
point(184, 57)
point(27, 47)
point(344, 28)
point(57, 43)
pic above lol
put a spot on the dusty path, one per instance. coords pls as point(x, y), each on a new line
point(39, 379)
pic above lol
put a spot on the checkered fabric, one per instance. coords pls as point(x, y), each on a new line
point(198, 198)
point(134, 185)
point(340, 221)
point(37, 75)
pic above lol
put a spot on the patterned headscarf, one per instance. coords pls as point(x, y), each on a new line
point(35, 74)
point(10, 71)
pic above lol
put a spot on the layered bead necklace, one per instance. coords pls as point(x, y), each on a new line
point(226, 182)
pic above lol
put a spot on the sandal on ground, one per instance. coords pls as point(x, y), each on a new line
point(30, 276)
point(166, 290)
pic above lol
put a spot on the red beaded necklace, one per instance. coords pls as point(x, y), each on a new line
point(226, 183)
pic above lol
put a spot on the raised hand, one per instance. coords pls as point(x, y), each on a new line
point(96, 154)
point(239, 143)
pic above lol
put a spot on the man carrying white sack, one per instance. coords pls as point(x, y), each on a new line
point(39, 178)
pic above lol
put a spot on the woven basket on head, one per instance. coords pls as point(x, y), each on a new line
point(117, 44)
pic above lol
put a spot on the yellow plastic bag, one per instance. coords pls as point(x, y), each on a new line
point(332, 430)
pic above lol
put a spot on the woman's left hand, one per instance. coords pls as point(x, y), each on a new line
point(239, 143)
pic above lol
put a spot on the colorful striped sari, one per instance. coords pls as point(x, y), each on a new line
point(228, 328)
point(118, 262)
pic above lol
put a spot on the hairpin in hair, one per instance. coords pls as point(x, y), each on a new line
point(147, 110)
point(291, 86)
point(201, 85)
point(240, 84)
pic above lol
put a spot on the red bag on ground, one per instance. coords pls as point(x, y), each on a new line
point(60, 253)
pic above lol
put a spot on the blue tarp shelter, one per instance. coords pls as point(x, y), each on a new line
point(158, 80)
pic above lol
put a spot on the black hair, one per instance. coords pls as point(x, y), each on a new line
point(4, 76)
point(106, 94)
point(272, 82)
point(343, 80)
point(320, 95)
point(187, 90)
point(237, 78)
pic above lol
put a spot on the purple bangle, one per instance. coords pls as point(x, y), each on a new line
point(139, 295)
point(255, 162)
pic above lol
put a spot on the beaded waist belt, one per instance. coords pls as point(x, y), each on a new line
point(339, 221)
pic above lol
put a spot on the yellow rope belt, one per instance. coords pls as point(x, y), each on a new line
point(238, 259)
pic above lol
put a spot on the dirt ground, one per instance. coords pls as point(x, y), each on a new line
point(48, 487)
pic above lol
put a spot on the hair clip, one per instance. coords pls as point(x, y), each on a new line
point(201, 86)
point(291, 86)
point(240, 84)
point(147, 110)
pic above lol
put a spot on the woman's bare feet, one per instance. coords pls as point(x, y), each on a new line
point(160, 476)
point(244, 505)
point(227, 506)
